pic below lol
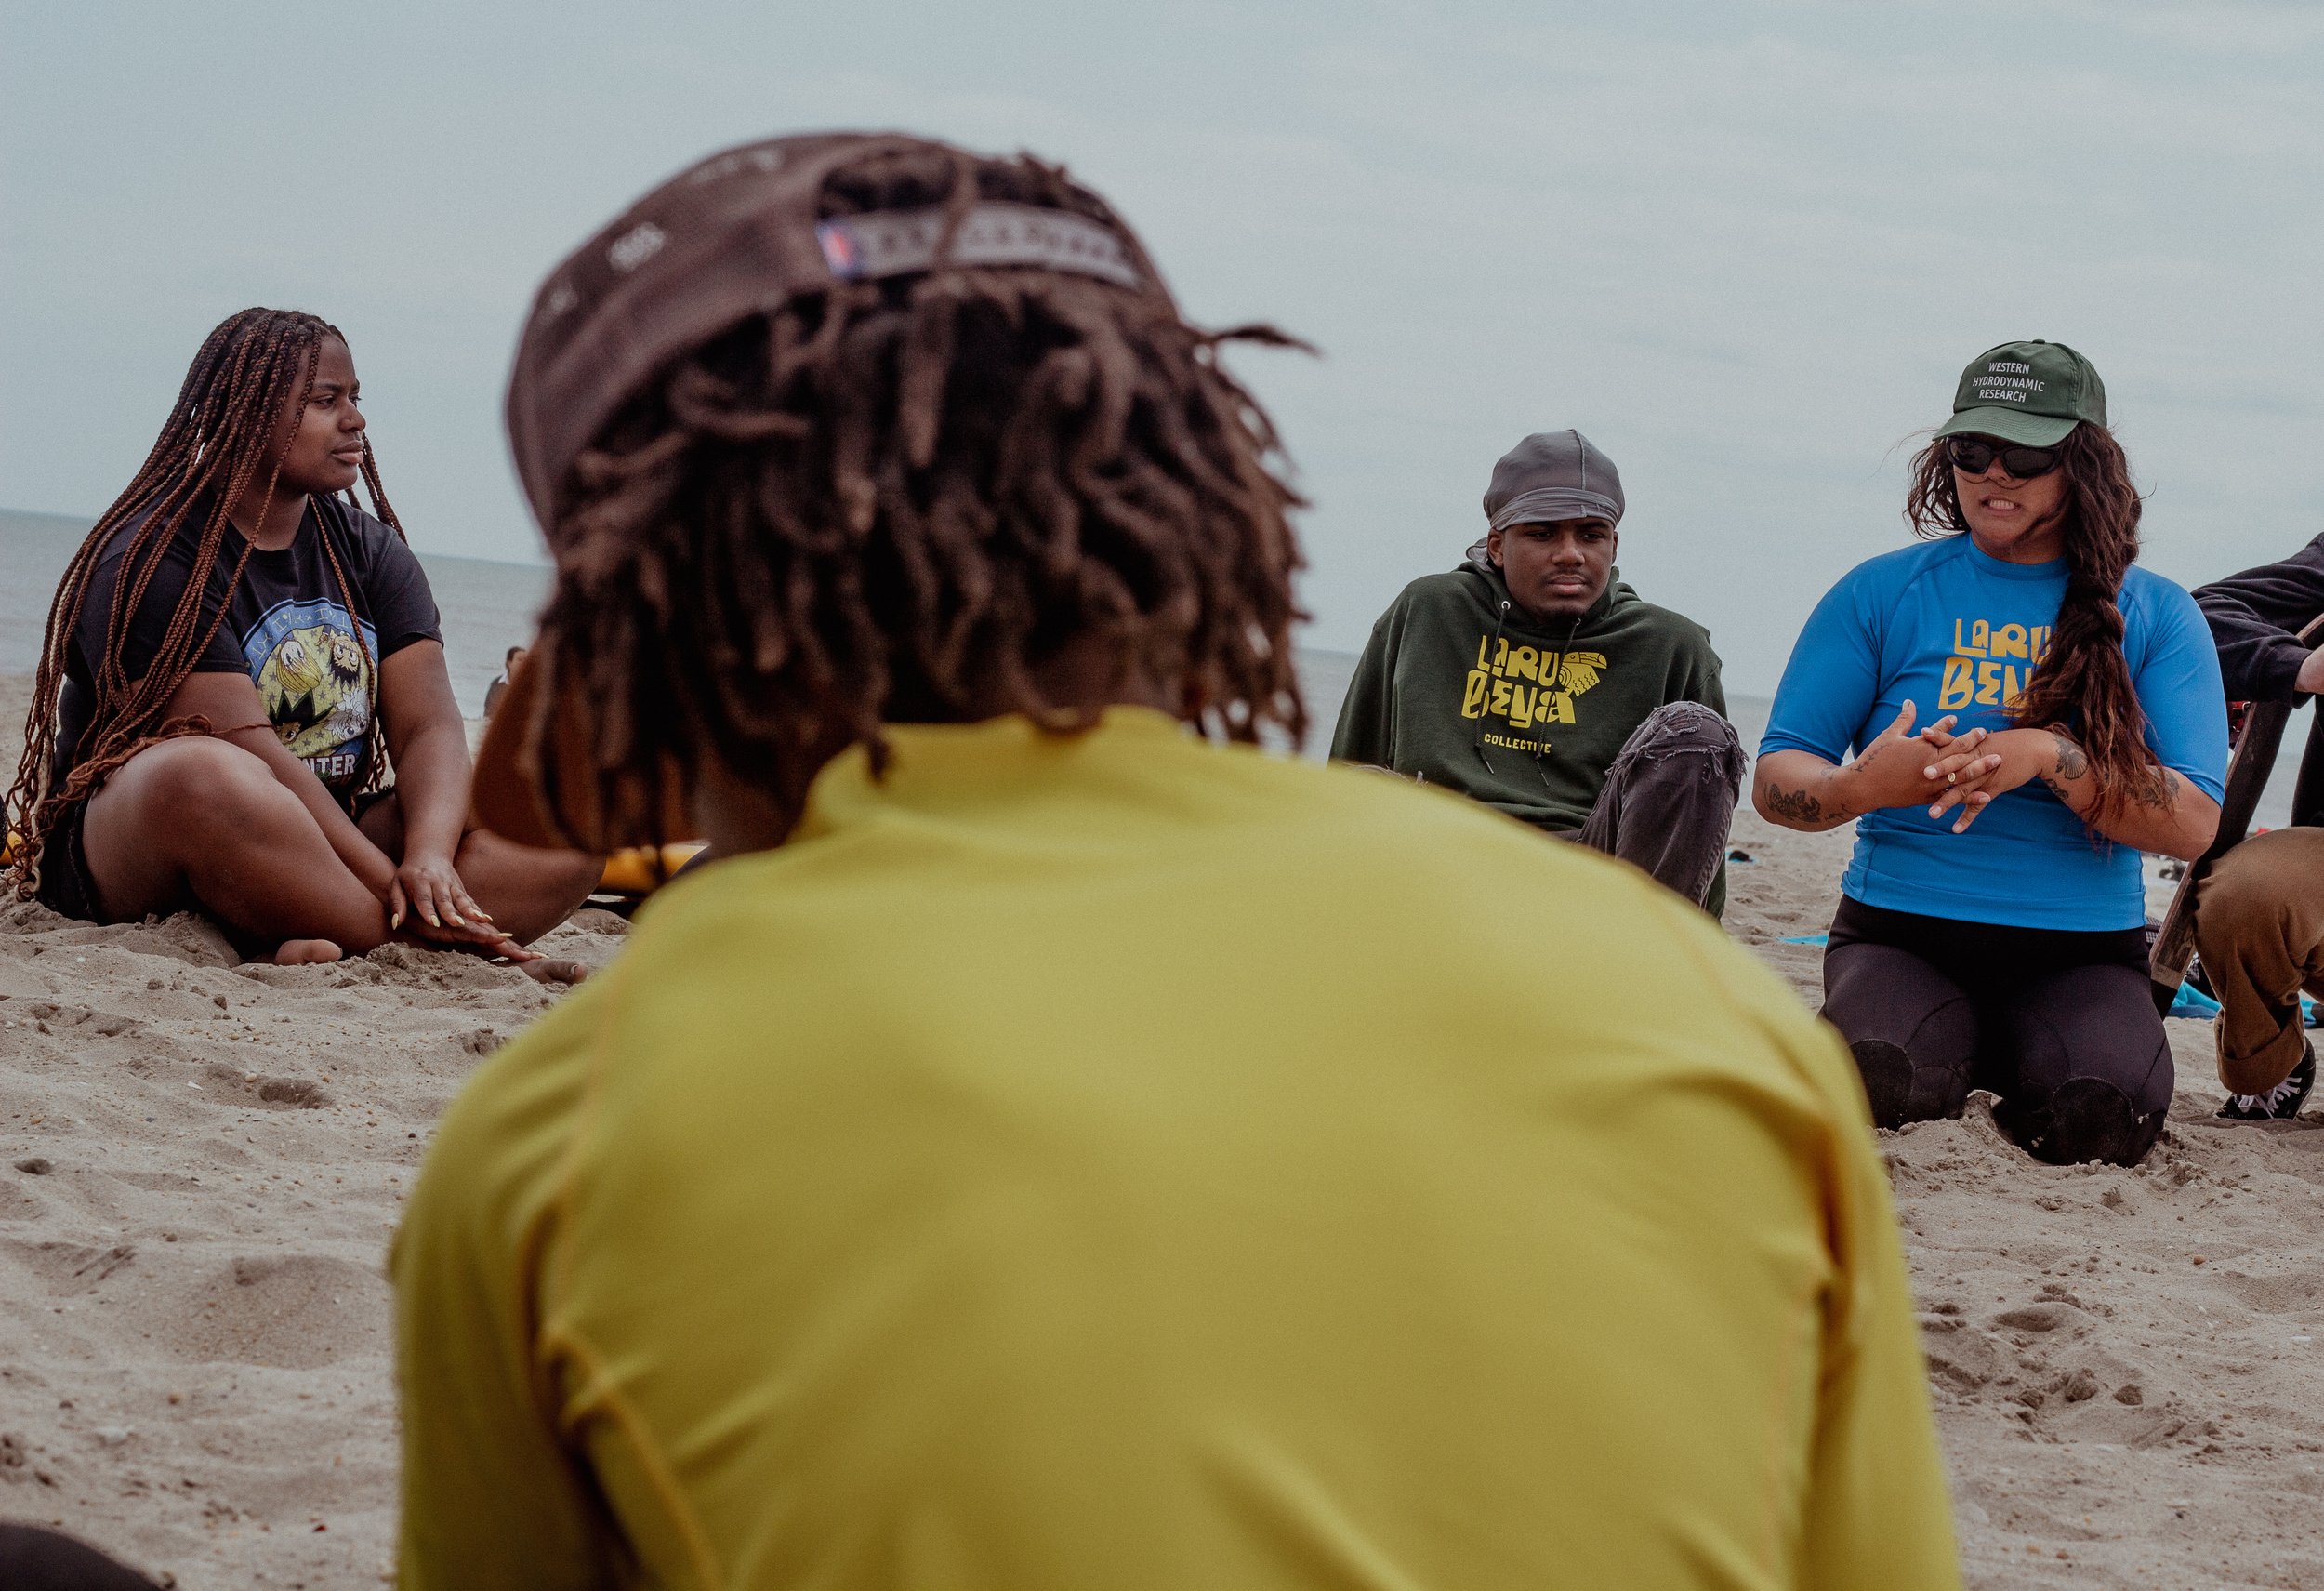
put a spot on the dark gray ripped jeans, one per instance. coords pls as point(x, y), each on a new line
point(1669, 799)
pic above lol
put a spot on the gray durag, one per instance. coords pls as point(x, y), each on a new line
point(1550, 475)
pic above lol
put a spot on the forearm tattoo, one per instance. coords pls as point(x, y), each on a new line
point(2152, 786)
point(2158, 787)
point(1797, 805)
point(2073, 763)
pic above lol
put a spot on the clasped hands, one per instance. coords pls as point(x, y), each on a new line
point(1966, 771)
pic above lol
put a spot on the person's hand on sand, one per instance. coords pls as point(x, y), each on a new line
point(532, 964)
point(428, 900)
point(426, 897)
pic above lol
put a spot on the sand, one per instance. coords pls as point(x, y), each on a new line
point(200, 1165)
point(2128, 1366)
point(201, 1162)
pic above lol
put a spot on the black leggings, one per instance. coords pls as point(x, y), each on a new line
point(2059, 1025)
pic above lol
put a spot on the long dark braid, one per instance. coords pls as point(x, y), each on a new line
point(241, 398)
point(893, 501)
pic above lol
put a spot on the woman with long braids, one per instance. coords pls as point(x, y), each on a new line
point(1055, 1144)
point(2030, 710)
point(237, 659)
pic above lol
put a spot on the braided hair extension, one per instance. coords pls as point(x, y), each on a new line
point(2082, 684)
point(241, 401)
point(898, 500)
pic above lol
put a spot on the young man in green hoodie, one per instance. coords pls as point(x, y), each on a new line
point(1533, 680)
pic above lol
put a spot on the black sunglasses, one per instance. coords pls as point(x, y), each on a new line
point(1973, 456)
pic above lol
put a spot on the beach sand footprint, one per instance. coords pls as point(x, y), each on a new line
point(241, 1089)
point(291, 1312)
point(67, 1269)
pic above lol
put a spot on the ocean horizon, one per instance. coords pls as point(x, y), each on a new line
point(488, 606)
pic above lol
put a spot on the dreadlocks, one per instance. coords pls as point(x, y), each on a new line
point(241, 398)
point(898, 499)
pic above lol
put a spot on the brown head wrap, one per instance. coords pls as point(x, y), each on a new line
point(736, 240)
point(739, 234)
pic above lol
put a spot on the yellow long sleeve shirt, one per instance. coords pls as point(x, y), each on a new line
point(1116, 1162)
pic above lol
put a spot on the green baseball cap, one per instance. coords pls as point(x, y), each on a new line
point(2031, 394)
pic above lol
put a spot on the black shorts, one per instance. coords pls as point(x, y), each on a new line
point(65, 887)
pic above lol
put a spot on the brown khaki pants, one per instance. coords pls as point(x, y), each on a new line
point(2259, 926)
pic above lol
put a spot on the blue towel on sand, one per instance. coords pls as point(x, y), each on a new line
point(2193, 1002)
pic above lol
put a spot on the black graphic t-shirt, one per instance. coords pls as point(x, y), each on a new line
point(286, 627)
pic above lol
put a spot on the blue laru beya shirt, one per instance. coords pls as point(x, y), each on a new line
point(1954, 630)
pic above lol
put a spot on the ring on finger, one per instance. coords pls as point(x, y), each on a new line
point(1952, 778)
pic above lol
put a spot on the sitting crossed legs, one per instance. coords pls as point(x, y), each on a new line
point(198, 823)
point(234, 589)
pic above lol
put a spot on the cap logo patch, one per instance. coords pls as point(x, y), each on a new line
point(635, 246)
point(893, 242)
point(1995, 389)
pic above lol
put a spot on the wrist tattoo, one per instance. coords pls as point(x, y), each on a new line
point(1797, 805)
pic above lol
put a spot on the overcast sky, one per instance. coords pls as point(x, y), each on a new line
point(1746, 248)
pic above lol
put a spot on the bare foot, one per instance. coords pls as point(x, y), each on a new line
point(306, 952)
point(545, 969)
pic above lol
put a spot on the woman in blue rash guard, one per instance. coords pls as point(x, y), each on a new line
point(2029, 710)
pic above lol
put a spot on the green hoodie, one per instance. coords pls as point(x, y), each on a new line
point(1445, 677)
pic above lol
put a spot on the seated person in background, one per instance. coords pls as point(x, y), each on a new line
point(227, 743)
point(1534, 680)
point(1054, 1147)
point(2259, 920)
point(499, 687)
point(1988, 934)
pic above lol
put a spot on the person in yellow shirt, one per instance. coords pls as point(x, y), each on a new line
point(1057, 1144)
